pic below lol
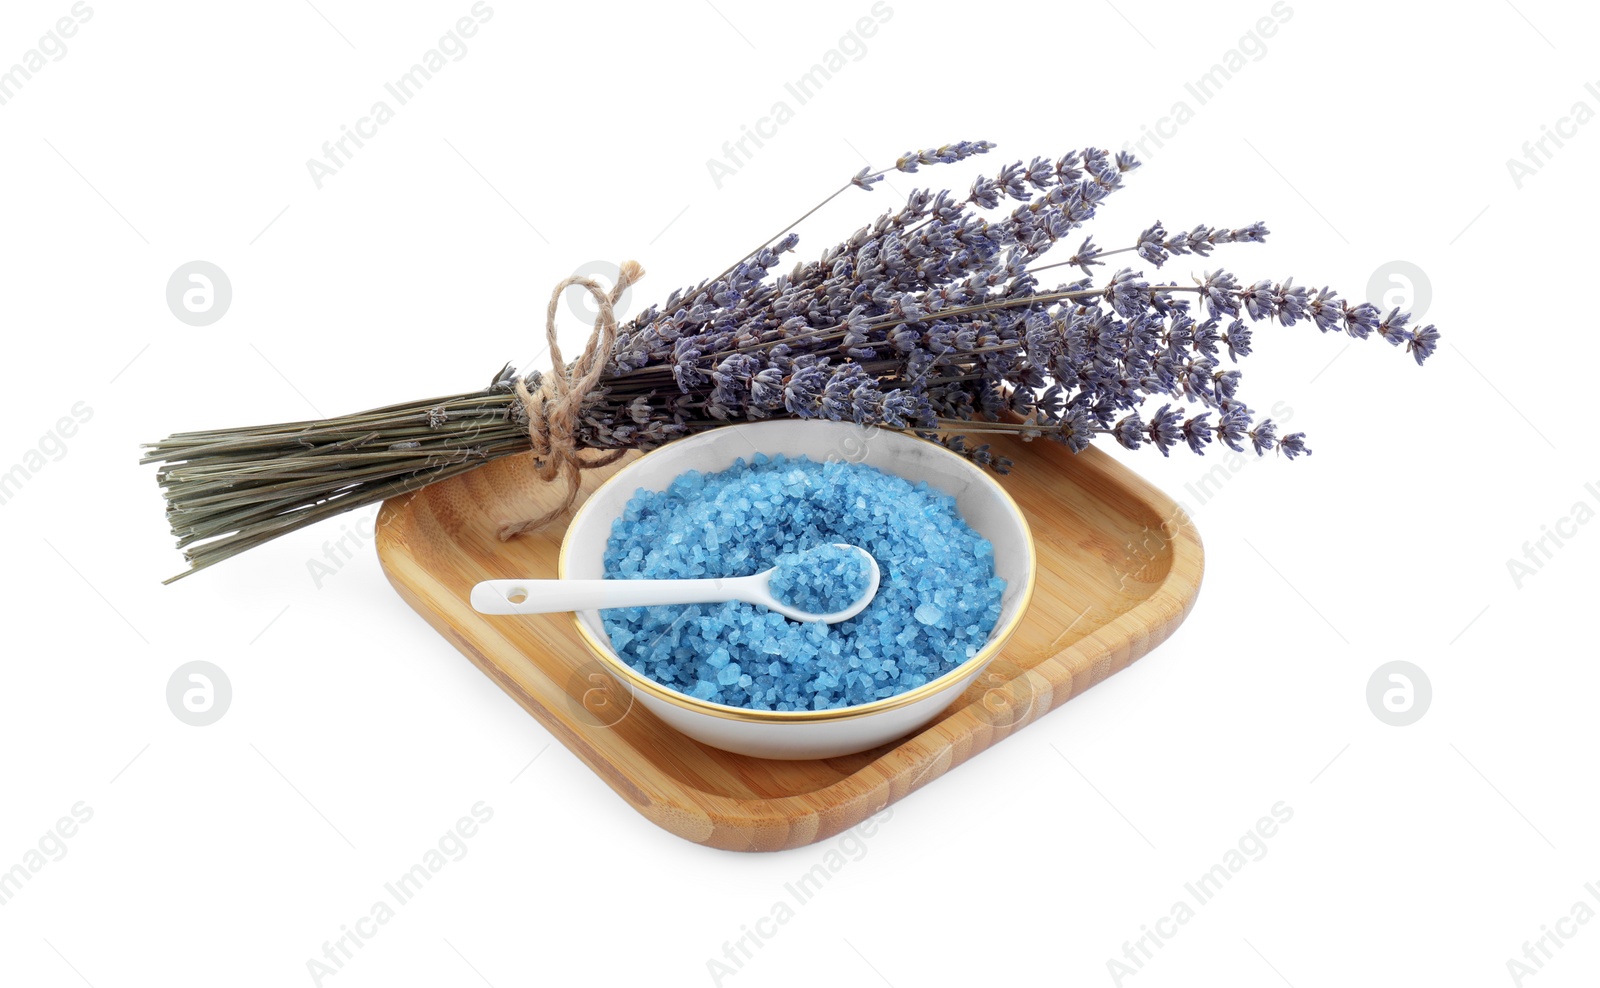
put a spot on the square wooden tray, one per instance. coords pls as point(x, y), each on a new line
point(1119, 569)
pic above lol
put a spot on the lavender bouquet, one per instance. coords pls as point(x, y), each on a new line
point(933, 320)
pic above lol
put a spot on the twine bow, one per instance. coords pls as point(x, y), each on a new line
point(555, 409)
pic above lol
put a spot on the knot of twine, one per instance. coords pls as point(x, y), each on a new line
point(555, 410)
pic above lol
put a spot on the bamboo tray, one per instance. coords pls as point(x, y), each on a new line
point(1119, 569)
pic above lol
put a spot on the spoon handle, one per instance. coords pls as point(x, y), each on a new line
point(551, 596)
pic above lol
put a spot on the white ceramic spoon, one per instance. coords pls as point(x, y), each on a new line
point(552, 596)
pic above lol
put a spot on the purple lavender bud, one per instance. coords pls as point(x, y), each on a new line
point(1198, 383)
point(1206, 337)
point(897, 409)
point(1178, 243)
point(1128, 293)
point(1258, 300)
point(1011, 181)
point(1197, 433)
point(767, 389)
point(1233, 427)
point(1293, 445)
point(1049, 403)
point(1423, 342)
point(1255, 233)
point(905, 339)
point(864, 179)
point(985, 192)
point(1289, 302)
point(802, 396)
point(1180, 334)
point(1264, 436)
point(1238, 340)
point(1129, 431)
point(1105, 171)
point(945, 208)
point(1225, 384)
point(1149, 245)
point(906, 306)
point(1221, 291)
point(856, 326)
point(1360, 320)
point(1086, 255)
point(1067, 168)
point(838, 395)
point(1165, 428)
point(1323, 310)
point(1039, 173)
point(1077, 430)
point(1393, 327)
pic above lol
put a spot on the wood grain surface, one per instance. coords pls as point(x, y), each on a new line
point(1119, 569)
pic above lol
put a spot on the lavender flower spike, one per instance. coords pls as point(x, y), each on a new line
point(944, 155)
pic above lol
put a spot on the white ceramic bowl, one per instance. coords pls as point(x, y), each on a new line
point(983, 504)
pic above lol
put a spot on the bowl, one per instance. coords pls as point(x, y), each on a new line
point(798, 734)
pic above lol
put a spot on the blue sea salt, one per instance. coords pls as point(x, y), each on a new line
point(938, 597)
point(822, 580)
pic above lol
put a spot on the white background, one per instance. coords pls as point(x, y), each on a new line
point(1363, 133)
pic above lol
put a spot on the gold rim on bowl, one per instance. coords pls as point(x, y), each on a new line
point(639, 680)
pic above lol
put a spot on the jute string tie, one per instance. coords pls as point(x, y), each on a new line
point(555, 409)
